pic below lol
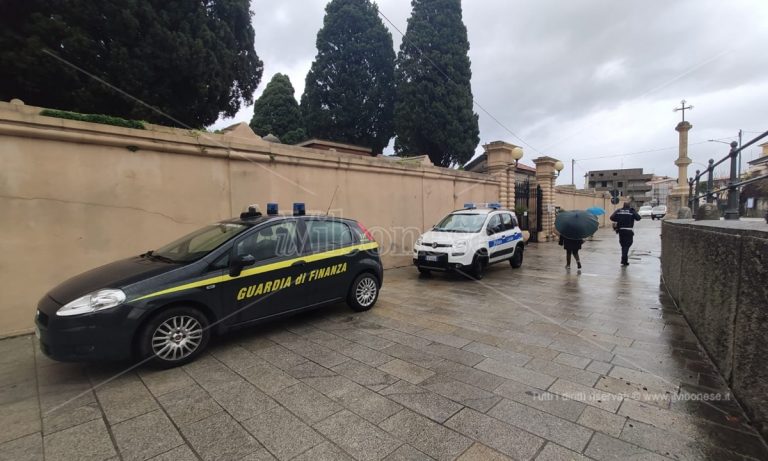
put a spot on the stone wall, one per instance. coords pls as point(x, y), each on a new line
point(77, 195)
point(717, 272)
point(568, 198)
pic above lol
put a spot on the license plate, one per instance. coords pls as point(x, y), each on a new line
point(431, 258)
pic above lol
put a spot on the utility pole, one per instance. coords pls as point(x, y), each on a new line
point(573, 166)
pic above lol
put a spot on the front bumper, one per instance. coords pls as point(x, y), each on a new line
point(440, 260)
point(100, 336)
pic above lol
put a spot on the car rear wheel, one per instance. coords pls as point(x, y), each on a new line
point(363, 293)
point(174, 337)
point(517, 258)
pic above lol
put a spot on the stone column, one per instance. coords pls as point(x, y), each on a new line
point(678, 198)
point(501, 166)
point(545, 176)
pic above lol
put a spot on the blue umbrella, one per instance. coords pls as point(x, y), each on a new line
point(576, 225)
point(596, 210)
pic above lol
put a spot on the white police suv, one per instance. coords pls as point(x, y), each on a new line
point(470, 239)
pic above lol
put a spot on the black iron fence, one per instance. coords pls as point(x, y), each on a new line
point(528, 207)
point(734, 183)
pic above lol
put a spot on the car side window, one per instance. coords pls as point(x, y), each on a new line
point(327, 235)
point(273, 241)
point(506, 219)
point(495, 225)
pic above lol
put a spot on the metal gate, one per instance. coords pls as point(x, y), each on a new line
point(528, 207)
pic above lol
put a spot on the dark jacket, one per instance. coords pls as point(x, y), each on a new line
point(570, 244)
point(625, 217)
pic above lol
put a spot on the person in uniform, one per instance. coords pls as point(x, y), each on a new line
point(625, 218)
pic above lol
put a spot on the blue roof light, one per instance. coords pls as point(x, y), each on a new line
point(494, 205)
point(299, 209)
point(271, 209)
point(469, 206)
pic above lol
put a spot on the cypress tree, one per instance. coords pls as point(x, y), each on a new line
point(349, 92)
point(277, 112)
point(191, 59)
point(433, 110)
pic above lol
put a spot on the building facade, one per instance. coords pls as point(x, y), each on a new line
point(631, 183)
point(661, 187)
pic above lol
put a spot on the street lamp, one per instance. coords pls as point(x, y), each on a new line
point(517, 154)
point(558, 168)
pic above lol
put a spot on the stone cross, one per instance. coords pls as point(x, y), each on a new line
point(682, 108)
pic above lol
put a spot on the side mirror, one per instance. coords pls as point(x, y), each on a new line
point(239, 262)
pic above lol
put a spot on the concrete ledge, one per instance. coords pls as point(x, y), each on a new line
point(717, 272)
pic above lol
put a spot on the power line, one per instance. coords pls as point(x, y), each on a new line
point(474, 101)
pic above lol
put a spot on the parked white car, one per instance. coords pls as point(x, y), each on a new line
point(659, 212)
point(469, 240)
point(645, 211)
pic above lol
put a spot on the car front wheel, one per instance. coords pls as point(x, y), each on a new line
point(174, 337)
point(363, 293)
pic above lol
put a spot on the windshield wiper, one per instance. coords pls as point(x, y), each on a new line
point(151, 255)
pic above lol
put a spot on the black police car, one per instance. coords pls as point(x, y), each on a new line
point(164, 305)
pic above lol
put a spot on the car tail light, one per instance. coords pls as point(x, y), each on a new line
point(365, 232)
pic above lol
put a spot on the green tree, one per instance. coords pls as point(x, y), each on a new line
point(193, 60)
point(433, 109)
point(277, 112)
point(349, 92)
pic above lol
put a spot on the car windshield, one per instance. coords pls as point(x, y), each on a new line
point(461, 222)
point(660, 208)
point(646, 208)
point(197, 244)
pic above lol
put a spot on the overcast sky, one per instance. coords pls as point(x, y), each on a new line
point(579, 79)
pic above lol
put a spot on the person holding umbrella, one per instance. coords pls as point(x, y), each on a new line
point(625, 218)
point(574, 227)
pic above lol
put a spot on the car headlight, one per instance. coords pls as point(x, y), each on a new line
point(418, 241)
point(93, 302)
point(460, 246)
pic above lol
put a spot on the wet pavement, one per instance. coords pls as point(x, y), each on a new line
point(534, 363)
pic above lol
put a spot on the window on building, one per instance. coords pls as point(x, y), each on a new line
point(604, 184)
point(620, 184)
point(614, 173)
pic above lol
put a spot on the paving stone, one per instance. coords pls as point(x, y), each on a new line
point(19, 418)
point(309, 370)
point(672, 445)
point(442, 338)
point(308, 404)
point(519, 374)
point(219, 437)
point(427, 403)
point(542, 400)
point(180, 453)
point(361, 439)
point(468, 375)
point(454, 354)
point(589, 395)
point(480, 452)
point(282, 433)
point(572, 360)
point(16, 392)
point(77, 411)
point(268, 378)
point(188, 405)
point(462, 393)
point(324, 452)
point(427, 436)
point(648, 380)
point(161, 382)
point(366, 355)
point(29, 447)
point(145, 436)
point(550, 427)
point(280, 357)
point(88, 441)
point(634, 391)
point(501, 355)
point(406, 370)
point(366, 339)
point(553, 452)
point(356, 398)
point(603, 447)
point(411, 355)
point(601, 368)
point(605, 338)
point(209, 372)
point(507, 439)
point(407, 453)
point(602, 421)
point(236, 357)
point(242, 400)
point(321, 355)
point(575, 375)
point(404, 339)
point(365, 375)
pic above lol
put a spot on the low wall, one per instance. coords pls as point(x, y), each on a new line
point(77, 195)
point(717, 272)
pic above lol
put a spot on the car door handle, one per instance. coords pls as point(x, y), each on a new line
point(299, 263)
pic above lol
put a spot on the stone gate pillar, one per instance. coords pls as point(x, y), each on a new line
point(501, 165)
point(546, 176)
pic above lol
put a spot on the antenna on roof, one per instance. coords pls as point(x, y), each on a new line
point(332, 197)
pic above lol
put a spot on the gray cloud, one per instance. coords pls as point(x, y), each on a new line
point(582, 79)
